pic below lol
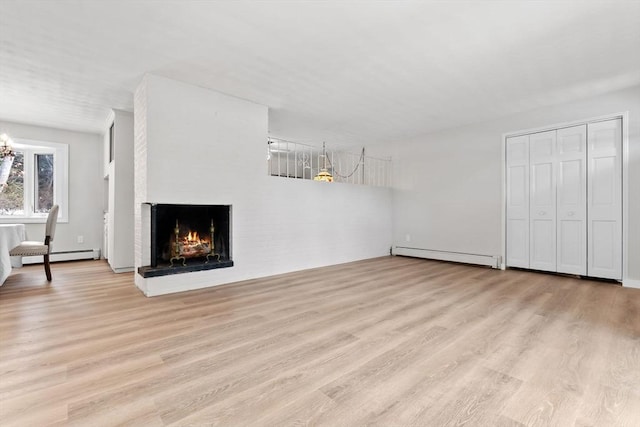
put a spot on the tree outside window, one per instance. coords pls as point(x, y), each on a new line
point(44, 179)
point(12, 192)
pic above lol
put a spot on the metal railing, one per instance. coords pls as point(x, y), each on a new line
point(290, 159)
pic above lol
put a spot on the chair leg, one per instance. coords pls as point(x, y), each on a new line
point(47, 267)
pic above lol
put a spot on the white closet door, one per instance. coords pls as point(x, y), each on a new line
point(571, 232)
point(517, 157)
point(542, 201)
point(604, 140)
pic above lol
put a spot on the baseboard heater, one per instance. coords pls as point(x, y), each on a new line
point(467, 258)
point(64, 256)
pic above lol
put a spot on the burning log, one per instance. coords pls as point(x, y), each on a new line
point(191, 245)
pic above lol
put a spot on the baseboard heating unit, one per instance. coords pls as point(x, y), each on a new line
point(64, 256)
point(467, 258)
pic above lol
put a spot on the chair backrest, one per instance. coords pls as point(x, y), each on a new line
point(52, 220)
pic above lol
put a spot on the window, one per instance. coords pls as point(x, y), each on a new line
point(37, 180)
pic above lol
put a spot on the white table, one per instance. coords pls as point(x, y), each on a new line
point(11, 235)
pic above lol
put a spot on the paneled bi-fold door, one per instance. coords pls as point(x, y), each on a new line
point(542, 199)
point(605, 199)
point(563, 201)
point(571, 233)
point(517, 211)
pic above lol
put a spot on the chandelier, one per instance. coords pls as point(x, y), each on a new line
point(5, 149)
point(324, 175)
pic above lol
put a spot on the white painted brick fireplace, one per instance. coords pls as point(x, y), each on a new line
point(197, 146)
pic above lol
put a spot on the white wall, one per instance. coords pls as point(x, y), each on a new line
point(448, 192)
point(85, 186)
point(198, 146)
point(120, 192)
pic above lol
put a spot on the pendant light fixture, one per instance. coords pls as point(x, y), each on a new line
point(324, 175)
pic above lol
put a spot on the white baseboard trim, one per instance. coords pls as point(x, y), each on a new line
point(64, 256)
point(631, 283)
point(493, 261)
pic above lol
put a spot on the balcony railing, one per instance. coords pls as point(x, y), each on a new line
point(290, 159)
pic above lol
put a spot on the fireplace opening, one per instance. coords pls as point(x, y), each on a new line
point(188, 238)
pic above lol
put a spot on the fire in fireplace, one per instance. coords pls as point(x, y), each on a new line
point(191, 245)
point(188, 238)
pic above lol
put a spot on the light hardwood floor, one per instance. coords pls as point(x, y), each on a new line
point(388, 342)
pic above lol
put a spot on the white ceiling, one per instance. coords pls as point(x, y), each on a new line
point(345, 71)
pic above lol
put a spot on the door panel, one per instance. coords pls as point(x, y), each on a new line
point(570, 182)
point(517, 243)
point(571, 207)
point(604, 186)
point(543, 188)
point(543, 244)
point(518, 189)
point(603, 170)
point(518, 150)
point(517, 239)
point(571, 140)
point(604, 256)
point(571, 256)
point(542, 199)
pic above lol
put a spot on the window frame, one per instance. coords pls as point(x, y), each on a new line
point(60, 179)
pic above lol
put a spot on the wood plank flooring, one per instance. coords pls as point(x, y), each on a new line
point(391, 341)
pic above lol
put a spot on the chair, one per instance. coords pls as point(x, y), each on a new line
point(28, 248)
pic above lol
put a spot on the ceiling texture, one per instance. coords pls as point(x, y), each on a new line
point(353, 72)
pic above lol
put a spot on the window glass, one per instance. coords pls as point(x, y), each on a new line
point(44, 183)
point(12, 193)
